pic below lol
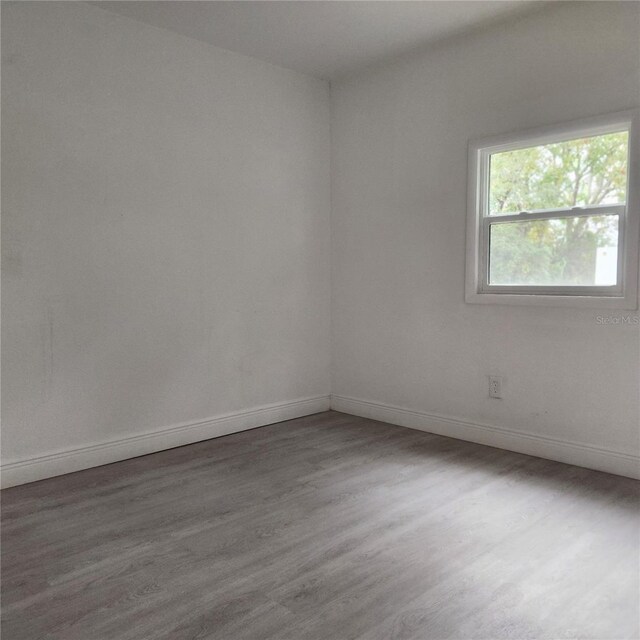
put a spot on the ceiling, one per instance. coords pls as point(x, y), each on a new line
point(325, 38)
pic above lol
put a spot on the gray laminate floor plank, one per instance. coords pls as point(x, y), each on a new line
point(325, 527)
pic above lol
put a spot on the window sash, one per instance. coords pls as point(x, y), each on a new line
point(486, 219)
point(575, 290)
point(517, 146)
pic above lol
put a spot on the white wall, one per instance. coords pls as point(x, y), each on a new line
point(166, 238)
point(166, 241)
point(403, 335)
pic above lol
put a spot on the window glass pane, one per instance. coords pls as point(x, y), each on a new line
point(580, 250)
point(586, 171)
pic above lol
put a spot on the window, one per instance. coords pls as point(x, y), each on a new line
point(553, 215)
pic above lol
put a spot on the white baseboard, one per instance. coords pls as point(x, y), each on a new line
point(16, 472)
point(617, 462)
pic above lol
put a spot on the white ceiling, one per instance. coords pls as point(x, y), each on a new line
point(325, 38)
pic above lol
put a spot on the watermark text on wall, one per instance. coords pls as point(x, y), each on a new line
point(619, 320)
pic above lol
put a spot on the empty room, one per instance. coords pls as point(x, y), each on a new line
point(320, 320)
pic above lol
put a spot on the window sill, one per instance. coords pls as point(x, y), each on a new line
point(523, 299)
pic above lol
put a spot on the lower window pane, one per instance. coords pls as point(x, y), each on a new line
point(579, 251)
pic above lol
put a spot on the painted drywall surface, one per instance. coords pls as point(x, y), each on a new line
point(402, 333)
point(165, 228)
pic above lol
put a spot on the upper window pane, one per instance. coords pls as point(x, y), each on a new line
point(574, 173)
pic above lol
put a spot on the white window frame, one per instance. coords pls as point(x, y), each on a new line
point(623, 295)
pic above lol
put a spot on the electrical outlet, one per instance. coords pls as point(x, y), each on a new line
point(495, 387)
